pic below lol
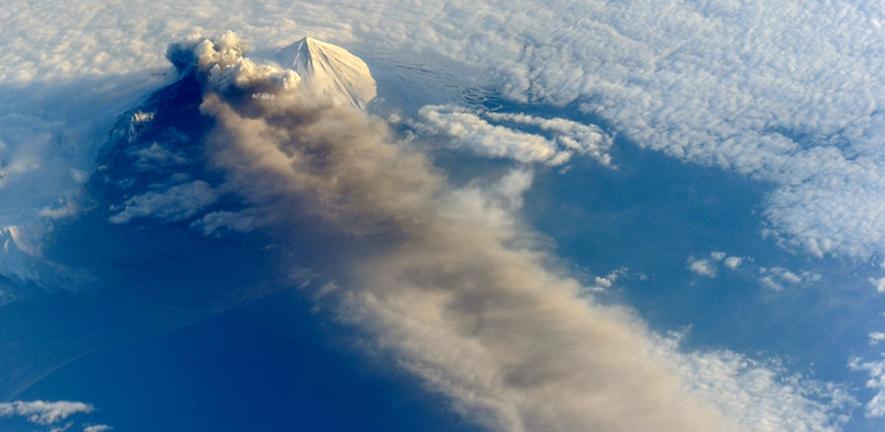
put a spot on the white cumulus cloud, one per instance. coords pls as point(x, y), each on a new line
point(709, 267)
point(472, 130)
point(702, 266)
point(44, 412)
point(733, 262)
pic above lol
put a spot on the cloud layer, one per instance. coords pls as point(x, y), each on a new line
point(740, 86)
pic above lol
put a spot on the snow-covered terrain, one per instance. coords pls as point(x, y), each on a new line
point(331, 70)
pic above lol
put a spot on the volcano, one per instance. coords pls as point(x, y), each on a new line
point(332, 71)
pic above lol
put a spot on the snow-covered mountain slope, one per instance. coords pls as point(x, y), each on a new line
point(330, 70)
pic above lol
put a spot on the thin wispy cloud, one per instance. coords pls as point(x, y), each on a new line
point(875, 369)
point(778, 278)
point(169, 204)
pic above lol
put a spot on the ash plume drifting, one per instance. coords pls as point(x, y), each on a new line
point(452, 285)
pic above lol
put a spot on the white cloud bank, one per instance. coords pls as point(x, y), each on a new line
point(463, 127)
point(783, 92)
point(44, 412)
point(763, 395)
point(454, 288)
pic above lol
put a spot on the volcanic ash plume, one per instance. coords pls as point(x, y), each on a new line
point(452, 285)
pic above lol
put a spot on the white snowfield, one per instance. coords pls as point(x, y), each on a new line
point(330, 70)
